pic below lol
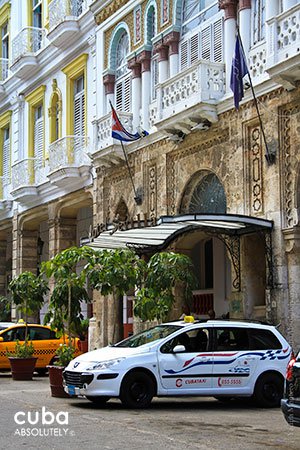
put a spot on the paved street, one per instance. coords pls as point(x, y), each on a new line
point(181, 423)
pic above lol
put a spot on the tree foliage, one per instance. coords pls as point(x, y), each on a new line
point(28, 292)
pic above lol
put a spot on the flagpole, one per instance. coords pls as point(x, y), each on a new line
point(137, 197)
point(270, 157)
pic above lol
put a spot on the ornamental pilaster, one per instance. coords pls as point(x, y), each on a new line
point(230, 8)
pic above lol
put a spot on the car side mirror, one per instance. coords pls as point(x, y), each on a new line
point(1, 339)
point(179, 348)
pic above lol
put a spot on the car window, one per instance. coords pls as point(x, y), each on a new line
point(14, 334)
point(38, 333)
point(228, 339)
point(196, 340)
point(148, 336)
point(263, 340)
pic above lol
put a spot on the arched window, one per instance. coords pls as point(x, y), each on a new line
point(204, 195)
point(201, 32)
point(123, 76)
point(150, 34)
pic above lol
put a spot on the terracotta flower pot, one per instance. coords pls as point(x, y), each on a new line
point(56, 381)
point(22, 368)
point(84, 346)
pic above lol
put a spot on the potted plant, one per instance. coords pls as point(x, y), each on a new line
point(28, 292)
point(64, 311)
point(22, 361)
point(65, 354)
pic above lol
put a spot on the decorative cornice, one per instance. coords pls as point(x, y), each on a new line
point(109, 10)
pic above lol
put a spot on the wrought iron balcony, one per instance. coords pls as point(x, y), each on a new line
point(63, 23)
point(283, 52)
point(69, 162)
point(24, 48)
point(27, 175)
point(4, 70)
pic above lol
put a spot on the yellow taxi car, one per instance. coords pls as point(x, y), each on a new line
point(44, 341)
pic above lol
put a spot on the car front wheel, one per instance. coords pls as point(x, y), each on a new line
point(268, 390)
point(137, 390)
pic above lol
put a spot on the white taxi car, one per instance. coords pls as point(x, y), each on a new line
point(217, 358)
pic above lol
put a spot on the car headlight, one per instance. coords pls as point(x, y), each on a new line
point(104, 364)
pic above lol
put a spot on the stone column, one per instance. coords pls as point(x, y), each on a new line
point(245, 20)
point(292, 247)
point(28, 250)
point(136, 92)
point(109, 85)
point(172, 40)
point(230, 8)
point(163, 63)
point(144, 58)
point(66, 233)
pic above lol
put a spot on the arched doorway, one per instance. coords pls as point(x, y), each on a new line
point(205, 194)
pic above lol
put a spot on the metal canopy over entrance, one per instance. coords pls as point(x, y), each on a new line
point(168, 228)
point(143, 237)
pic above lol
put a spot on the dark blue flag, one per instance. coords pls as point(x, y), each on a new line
point(238, 71)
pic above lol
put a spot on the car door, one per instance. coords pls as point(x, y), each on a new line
point(10, 336)
point(44, 342)
point(188, 371)
point(234, 364)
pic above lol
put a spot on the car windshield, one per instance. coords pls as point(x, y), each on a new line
point(151, 335)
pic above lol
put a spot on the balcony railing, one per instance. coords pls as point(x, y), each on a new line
point(4, 71)
point(28, 172)
point(199, 83)
point(284, 36)
point(29, 41)
point(70, 151)
point(4, 187)
point(59, 10)
point(103, 129)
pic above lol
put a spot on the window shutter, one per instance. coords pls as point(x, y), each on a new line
point(217, 40)
point(79, 114)
point(123, 94)
point(184, 55)
point(194, 48)
point(38, 140)
point(6, 158)
point(206, 43)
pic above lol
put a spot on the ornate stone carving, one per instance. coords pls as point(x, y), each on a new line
point(289, 161)
point(109, 10)
point(150, 188)
point(255, 158)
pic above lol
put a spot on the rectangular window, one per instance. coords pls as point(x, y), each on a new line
point(258, 21)
point(38, 135)
point(37, 13)
point(79, 106)
point(6, 154)
point(206, 43)
point(123, 94)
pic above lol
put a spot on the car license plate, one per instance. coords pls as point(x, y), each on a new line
point(71, 389)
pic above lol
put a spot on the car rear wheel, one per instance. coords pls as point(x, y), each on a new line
point(137, 390)
point(268, 390)
point(98, 400)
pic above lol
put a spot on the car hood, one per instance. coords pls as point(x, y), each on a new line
point(107, 353)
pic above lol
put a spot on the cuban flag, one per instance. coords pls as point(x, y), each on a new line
point(238, 71)
point(118, 131)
